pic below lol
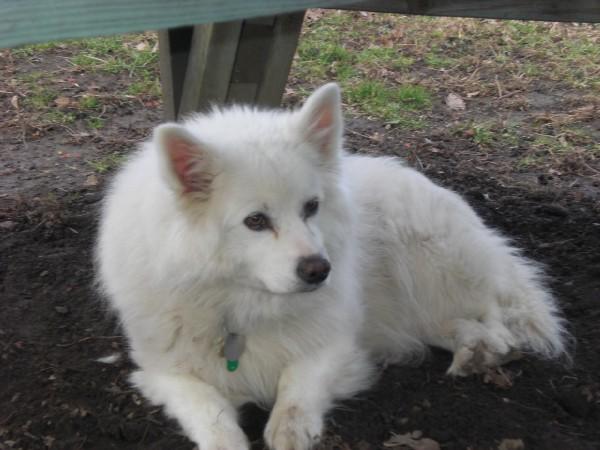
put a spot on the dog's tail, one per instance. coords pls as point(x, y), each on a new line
point(531, 314)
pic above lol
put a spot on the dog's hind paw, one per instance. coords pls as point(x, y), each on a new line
point(477, 359)
point(291, 428)
point(478, 346)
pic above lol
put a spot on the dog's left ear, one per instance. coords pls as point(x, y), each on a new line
point(321, 120)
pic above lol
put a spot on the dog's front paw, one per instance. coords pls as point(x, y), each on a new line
point(291, 428)
point(223, 437)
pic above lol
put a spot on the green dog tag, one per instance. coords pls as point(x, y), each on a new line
point(233, 349)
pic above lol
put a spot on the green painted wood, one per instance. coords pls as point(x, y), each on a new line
point(551, 10)
point(30, 21)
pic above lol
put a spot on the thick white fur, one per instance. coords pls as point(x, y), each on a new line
point(412, 265)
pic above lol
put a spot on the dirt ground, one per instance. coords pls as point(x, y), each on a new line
point(53, 326)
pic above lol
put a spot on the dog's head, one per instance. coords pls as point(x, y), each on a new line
point(265, 184)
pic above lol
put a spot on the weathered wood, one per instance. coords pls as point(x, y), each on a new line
point(264, 58)
point(240, 61)
point(174, 47)
point(286, 33)
point(552, 10)
point(30, 21)
point(210, 65)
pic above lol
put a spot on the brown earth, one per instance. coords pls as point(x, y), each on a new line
point(53, 326)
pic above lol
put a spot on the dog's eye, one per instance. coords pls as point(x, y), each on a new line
point(257, 222)
point(310, 208)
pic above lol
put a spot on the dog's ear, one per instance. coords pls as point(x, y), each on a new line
point(186, 162)
point(321, 120)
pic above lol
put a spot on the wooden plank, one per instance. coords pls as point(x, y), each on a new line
point(551, 10)
point(174, 47)
point(232, 62)
point(29, 21)
point(210, 65)
point(286, 33)
point(264, 58)
point(255, 42)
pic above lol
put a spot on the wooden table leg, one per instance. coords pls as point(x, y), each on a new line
point(244, 61)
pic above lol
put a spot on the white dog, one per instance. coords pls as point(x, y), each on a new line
point(251, 260)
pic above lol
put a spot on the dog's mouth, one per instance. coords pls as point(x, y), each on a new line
point(310, 287)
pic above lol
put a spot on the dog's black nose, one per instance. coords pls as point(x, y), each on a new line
point(313, 269)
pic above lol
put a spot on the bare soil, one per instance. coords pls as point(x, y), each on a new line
point(53, 327)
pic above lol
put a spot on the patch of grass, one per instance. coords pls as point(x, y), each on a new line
point(531, 70)
point(413, 96)
point(107, 163)
point(145, 87)
point(528, 161)
point(33, 49)
point(30, 78)
point(550, 144)
point(89, 102)
point(383, 57)
point(509, 137)
point(40, 97)
point(392, 104)
point(94, 122)
point(483, 135)
point(438, 62)
point(58, 117)
point(480, 133)
point(114, 54)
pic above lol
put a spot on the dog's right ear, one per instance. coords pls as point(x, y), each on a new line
point(321, 121)
point(185, 161)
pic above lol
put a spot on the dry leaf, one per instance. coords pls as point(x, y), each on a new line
point(15, 101)
point(62, 102)
point(408, 440)
point(92, 180)
point(141, 46)
point(511, 444)
point(455, 102)
point(49, 441)
point(499, 377)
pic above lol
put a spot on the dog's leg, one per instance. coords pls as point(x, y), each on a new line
point(477, 345)
point(206, 417)
point(307, 389)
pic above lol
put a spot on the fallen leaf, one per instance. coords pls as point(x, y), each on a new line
point(498, 377)
point(408, 440)
point(141, 46)
point(49, 441)
point(62, 102)
point(109, 359)
point(8, 225)
point(15, 101)
point(511, 444)
point(91, 180)
point(455, 102)
point(61, 309)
